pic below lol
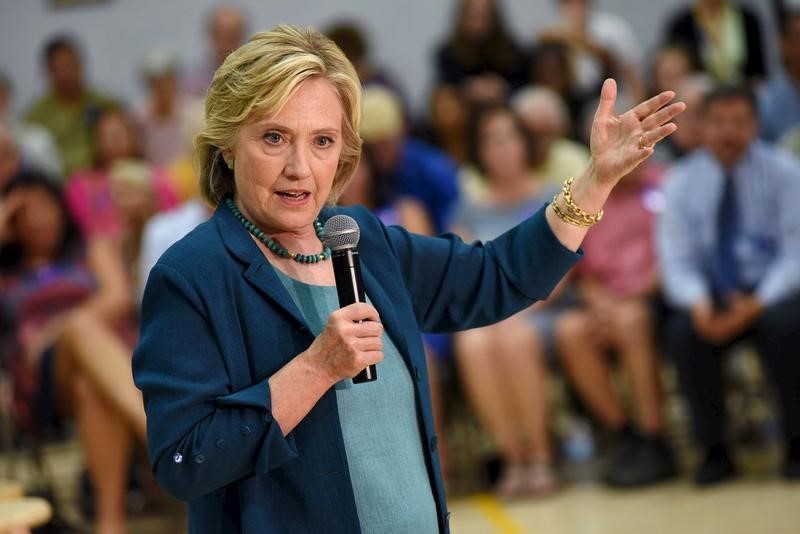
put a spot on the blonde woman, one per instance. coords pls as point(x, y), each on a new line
point(245, 358)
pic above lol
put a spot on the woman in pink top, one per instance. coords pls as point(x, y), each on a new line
point(116, 196)
point(618, 279)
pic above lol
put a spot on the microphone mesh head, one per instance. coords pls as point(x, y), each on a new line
point(341, 233)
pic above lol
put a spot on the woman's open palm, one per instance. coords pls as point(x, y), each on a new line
point(621, 142)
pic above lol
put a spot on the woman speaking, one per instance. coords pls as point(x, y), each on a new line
point(245, 358)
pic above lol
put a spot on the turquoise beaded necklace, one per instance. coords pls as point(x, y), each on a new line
point(276, 247)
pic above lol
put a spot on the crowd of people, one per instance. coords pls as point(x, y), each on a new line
point(699, 248)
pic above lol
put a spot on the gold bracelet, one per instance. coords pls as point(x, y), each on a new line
point(575, 212)
point(568, 218)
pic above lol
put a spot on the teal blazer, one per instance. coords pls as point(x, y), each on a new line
point(217, 323)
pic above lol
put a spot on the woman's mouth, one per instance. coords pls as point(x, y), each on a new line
point(294, 197)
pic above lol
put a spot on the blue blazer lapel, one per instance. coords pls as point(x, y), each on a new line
point(385, 308)
point(259, 273)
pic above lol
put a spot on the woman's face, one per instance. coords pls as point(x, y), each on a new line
point(477, 18)
point(114, 139)
point(671, 68)
point(502, 147)
point(38, 225)
point(284, 165)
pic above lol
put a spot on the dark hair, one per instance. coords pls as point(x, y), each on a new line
point(480, 114)
point(499, 48)
point(728, 93)
point(349, 37)
point(11, 253)
point(58, 43)
point(545, 50)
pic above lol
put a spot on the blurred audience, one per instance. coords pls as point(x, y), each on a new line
point(601, 44)
point(115, 197)
point(480, 57)
point(62, 308)
point(729, 244)
point(689, 135)
point(723, 38)
point(38, 150)
point(779, 97)
point(670, 66)
point(226, 30)
point(503, 365)
point(446, 123)
point(10, 161)
point(545, 116)
point(366, 189)
point(162, 117)
point(350, 37)
point(551, 67)
point(619, 287)
point(68, 108)
point(411, 167)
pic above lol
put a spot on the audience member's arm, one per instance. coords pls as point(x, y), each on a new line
point(113, 298)
point(413, 216)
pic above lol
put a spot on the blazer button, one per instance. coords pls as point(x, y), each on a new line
point(434, 443)
point(245, 431)
point(199, 458)
point(220, 443)
point(178, 458)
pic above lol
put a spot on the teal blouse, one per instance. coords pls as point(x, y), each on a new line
point(381, 431)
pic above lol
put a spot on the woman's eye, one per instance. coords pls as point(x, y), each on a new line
point(324, 141)
point(273, 138)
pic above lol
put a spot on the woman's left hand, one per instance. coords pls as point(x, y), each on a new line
point(621, 142)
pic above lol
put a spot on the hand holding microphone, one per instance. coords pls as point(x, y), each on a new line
point(350, 343)
point(341, 237)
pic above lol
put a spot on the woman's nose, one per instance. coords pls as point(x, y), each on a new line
point(297, 165)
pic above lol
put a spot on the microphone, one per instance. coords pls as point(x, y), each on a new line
point(341, 235)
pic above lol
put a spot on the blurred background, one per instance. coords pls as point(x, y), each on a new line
point(657, 389)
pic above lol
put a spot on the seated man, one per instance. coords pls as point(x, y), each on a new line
point(729, 244)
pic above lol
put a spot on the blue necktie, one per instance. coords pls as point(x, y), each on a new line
point(726, 272)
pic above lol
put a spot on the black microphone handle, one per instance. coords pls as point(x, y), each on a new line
point(347, 271)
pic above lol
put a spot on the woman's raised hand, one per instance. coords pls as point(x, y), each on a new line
point(350, 342)
point(621, 142)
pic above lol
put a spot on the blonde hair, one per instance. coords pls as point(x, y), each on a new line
point(256, 80)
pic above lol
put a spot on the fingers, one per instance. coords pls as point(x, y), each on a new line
point(368, 329)
point(663, 115)
point(360, 311)
point(654, 136)
point(368, 344)
point(608, 98)
point(648, 107)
